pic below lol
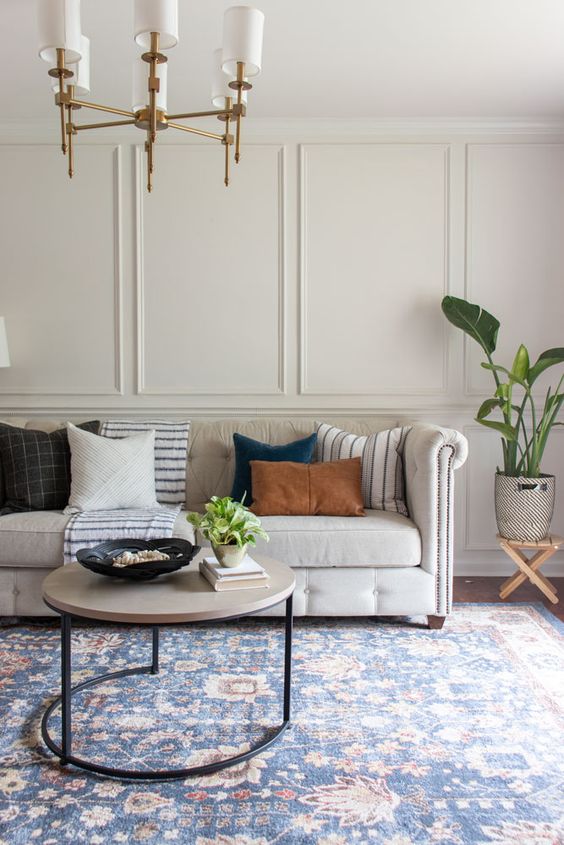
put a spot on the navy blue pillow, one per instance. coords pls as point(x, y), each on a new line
point(247, 449)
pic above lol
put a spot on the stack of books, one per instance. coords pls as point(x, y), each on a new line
point(249, 575)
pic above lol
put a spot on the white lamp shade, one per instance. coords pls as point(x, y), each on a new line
point(58, 23)
point(4, 354)
point(156, 16)
point(220, 83)
point(141, 85)
point(242, 40)
point(81, 71)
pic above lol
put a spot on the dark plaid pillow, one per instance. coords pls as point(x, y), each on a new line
point(36, 468)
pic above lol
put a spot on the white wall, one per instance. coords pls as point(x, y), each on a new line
point(311, 285)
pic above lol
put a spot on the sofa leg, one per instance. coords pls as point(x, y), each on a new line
point(435, 623)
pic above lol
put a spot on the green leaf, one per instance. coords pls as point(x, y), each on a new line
point(511, 376)
point(478, 323)
point(507, 431)
point(545, 360)
point(520, 366)
point(487, 407)
point(227, 522)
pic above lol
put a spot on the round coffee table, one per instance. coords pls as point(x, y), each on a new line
point(181, 597)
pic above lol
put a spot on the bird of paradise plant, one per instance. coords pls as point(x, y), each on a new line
point(524, 425)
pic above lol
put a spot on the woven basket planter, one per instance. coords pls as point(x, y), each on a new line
point(524, 506)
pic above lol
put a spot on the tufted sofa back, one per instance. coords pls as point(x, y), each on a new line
point(211, 460)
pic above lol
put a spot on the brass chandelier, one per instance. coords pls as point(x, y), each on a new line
point(155, 29)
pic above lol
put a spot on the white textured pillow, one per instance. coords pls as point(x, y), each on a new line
point(110, 474)
point(380, 455)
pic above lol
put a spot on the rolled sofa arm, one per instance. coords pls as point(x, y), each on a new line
point(431, 454)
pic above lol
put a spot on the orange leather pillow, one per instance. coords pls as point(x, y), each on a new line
point(331, 488)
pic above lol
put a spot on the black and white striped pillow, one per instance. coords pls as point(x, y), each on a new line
point(382, 465)
point(171, 452)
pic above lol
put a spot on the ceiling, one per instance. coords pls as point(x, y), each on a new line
point(327, 58)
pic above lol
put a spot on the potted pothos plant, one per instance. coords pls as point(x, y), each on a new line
point(230, 527)
point(524, 495)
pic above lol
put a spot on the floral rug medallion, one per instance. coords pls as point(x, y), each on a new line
point(400, 736)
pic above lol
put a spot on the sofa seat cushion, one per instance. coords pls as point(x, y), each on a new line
point(378, 539)
point(35, 539)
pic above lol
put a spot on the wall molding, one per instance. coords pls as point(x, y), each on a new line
point(118, 386)
point(476, 551)
point(228, 390)
point(303, 388)
point(47, 129)
point(139, 272)
point(469, 546)
point(409, 413)
point(467, 343)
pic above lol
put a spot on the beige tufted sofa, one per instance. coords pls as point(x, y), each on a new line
point(381, 564)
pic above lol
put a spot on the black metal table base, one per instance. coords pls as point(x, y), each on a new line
point(64, 750)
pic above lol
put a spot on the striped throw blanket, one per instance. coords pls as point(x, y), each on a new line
point(88, 529)
point(171, 449)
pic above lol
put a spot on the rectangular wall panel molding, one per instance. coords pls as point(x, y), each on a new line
point(374, 259)
point(62, 286)
point(484, 455)
point(514, 250)
point(211, 274)
point(309, 288)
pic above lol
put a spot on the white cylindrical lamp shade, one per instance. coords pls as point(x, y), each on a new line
point(156, 16)
point(220, 84)
point(4, 354)
point(242, 40)
point(58, 23)
point(81, 71)
point(141, 85)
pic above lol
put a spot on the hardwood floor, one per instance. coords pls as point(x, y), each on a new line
point(469, 588)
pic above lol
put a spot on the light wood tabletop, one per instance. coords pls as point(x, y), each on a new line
point(182, 596)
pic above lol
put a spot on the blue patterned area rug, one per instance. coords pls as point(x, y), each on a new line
point(401, 735)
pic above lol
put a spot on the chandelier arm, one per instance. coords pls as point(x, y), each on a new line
point(188, 115)
point(150, 165)
point(226, 142)
point(240, 78)
point(104, 125)
point(61, 74)
point(99, 107)
point(195, 131)
point(153, 84)
point(63, 133)
point(70, 130)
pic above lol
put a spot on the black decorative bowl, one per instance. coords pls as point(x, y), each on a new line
point(99, 559)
